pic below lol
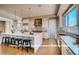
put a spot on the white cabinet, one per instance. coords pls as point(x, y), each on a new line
point(58, 41)
point(65, 49)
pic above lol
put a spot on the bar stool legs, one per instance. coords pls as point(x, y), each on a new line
point(26, 44)
point(2, 40)
point(5, 40)
point(18, 42)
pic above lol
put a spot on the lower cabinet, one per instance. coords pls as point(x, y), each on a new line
point(65, 50)
point(58, 41)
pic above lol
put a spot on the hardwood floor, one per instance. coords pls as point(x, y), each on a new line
point(9, 50)
point(49, 47)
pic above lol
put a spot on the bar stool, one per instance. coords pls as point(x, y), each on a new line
point(27, 43)
point(18, 42)
point(5, 40)
point(12, 41)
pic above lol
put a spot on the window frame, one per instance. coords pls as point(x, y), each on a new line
point(70, 10)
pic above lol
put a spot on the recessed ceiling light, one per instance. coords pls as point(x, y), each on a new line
point(29, 8)
point(39, 5)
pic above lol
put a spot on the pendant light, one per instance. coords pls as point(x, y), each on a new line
point(13, 25)
point(22, 29)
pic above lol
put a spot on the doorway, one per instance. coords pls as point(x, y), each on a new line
point(51, 28)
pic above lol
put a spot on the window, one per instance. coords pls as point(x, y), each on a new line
point(66, 20)
point(71, 21)
point(71, 18)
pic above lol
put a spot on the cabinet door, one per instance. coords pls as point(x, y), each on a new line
point(59, 42)
point(63, 49)
point(66, 50)
point(69, 52)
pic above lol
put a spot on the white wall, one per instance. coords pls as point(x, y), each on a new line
point(60, 20)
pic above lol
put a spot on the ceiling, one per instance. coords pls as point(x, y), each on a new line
point(63, 8)
point(30, 10)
